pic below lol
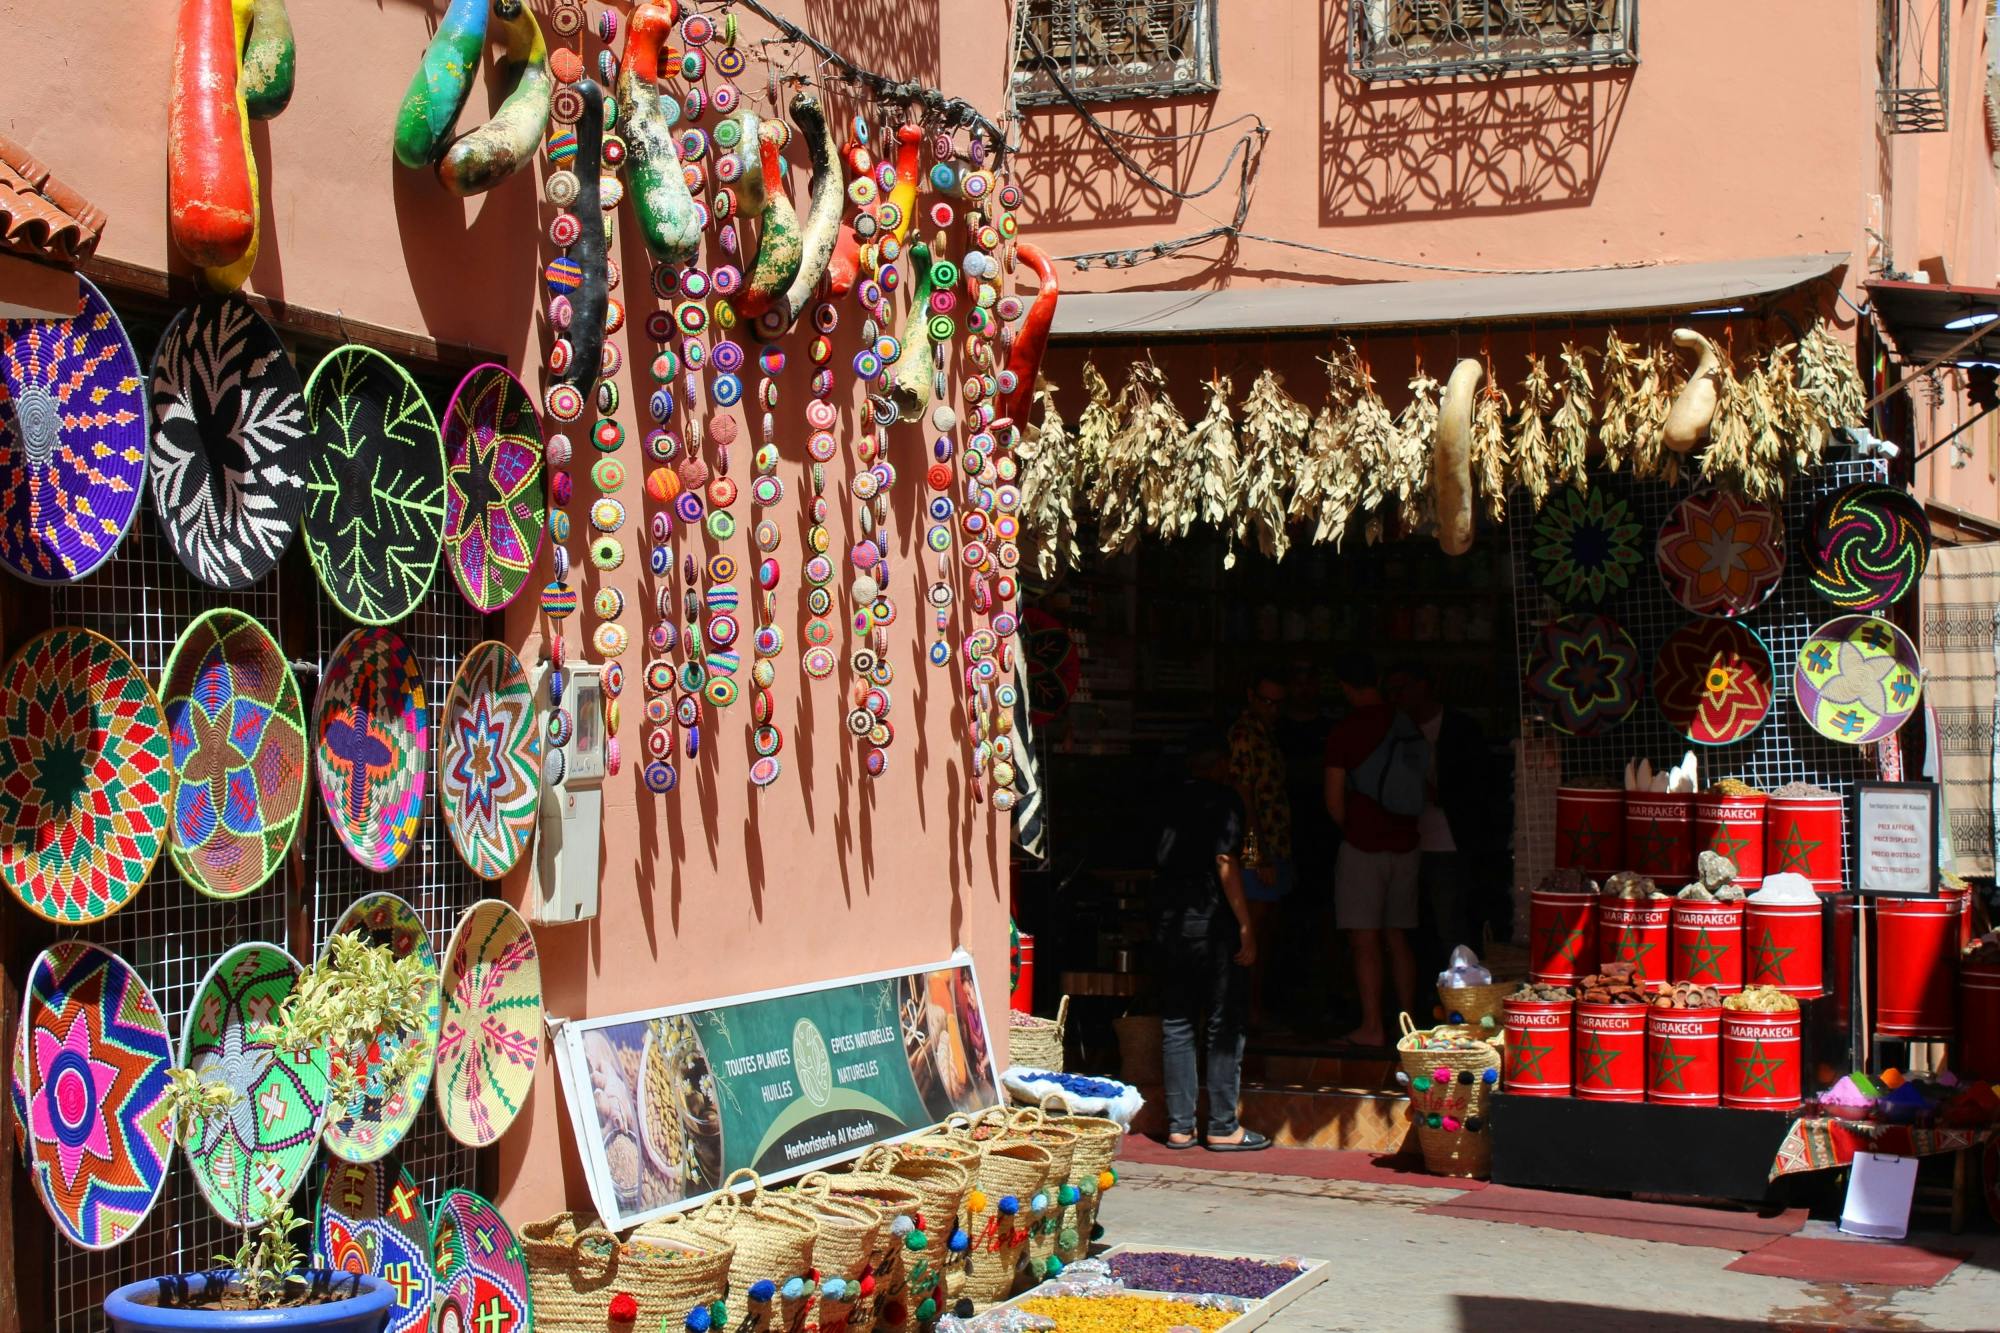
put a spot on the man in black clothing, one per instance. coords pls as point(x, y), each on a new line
point(1206, 948)
point(1456, 828)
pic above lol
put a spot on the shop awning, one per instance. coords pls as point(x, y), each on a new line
point(1927, 320)
point(1653, 288)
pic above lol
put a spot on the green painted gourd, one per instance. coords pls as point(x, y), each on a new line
point(780, 249)
point(439, 88)
point(270, 60)
point(481, 158)
point(658, 188)
point(822, 225)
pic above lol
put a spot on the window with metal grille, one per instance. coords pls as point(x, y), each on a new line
point(1427, 39)
point(1913, 63)
point(1113, 50)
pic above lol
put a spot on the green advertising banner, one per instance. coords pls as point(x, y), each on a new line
point(666, 1103)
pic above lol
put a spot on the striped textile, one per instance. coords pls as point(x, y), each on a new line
point(1961, 606)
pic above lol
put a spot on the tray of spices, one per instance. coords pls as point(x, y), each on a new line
point(1253, 1288)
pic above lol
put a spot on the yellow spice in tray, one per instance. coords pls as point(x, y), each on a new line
point(1122, 1314)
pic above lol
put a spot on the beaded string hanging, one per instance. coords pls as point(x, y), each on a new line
point(768, 639)
point(611, 637)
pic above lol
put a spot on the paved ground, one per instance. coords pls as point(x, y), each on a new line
point(1396, 1270)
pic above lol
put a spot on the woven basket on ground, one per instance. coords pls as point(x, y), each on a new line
point(998, 1218)
point(1044, 1229)
point(1471, 1005)
point(575, 1271)
point(1461, 1144)
point(1097, 1143)
point(942, 1182)
point(774, 1244)
point(850, 1241)
point(889, 1266)
point(1139, 1049)
point(1038, 1043)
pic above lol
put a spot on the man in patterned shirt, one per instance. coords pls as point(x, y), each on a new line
point(1257, 767)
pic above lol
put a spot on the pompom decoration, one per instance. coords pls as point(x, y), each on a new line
point(1464, 1076)
point(1067, 1194)
point(1422, 1083)
point(1442, 1074)
point(625, 1308)
point(1055, 1266)
point(1039, 1203)
point(1474, 1123)
point(762, 1290)
point(959, 1242)
point(698, 1320)
point(1489, 1075)
point(962, 1310)
point(794, 1288)
point(975, 1202)
point(833, 1288)
point(916, 1240)
point(1451, 1124)
point(867, 1284)
point(902, 1226)
point(1434, 1121)
point(1106, 1179)
point(1097, 1231)
point(718, 1314)
point(1009, 1204)
point(928, 1309)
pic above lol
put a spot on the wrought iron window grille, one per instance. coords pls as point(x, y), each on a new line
point(1435, 39)
point(1913, 64)
point(1113, 50)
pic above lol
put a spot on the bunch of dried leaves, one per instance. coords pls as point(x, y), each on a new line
point(1274, 432)
point(1492, 460)
point(1132, 484)
point(1327, 486)
point(1619, 365)
point(1408, 473)
point(1534, 455)
point(1569, 427)
point(1203, 487)
point(1659, 378)
point(1049, 475)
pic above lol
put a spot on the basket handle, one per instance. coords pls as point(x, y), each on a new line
point(880, 1157)
point(595, 1241)
point(756, 1182)
point(1061, 1106)
point(1404, 1021)
point(1028, 1117)
point(1062, 1014)
point(818, 1185)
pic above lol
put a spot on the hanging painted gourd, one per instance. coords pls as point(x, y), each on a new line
point(658, 190)
point(270, 60)
point(780, 249)
point(822, 225)
point(482, 157)
point(911, 391)
point(590, 299)
point(439, 88)
point(903, 195)
point(1033, 340)
point(211, 181)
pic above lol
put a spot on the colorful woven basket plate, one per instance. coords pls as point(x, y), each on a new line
point(494, 509)
point(229, 442)
point(1713, 681)
point(254, 1158)
point(490, 771)
point(372, 1221)
point(99, 1134)
point(482, 1272)
point(374, 519)
point(72, 441)
point(1721, 555)
point(371, 746)
point(1586, 546)
point(238, 731)
point(1858, 679)
point(86, 777)
point(381, 1113)
point(1867, 546)
point(1584, 669)
point(491, 1039)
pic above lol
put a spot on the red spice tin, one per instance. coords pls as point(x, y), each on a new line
point(1760, 1060)
point(1803, 835)
point(1610, 1056)
point(1590, 830)
point(1978, 1020)
point(1562, 936)
point(1708, 944)
point(1659, 835)
point(1782, 947)
point(1539, 1035)
point(1916, 966)
point(1684, 1056)
point(1635, 930)
point(1733, 826)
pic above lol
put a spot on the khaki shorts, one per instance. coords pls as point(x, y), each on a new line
point(1375, 890)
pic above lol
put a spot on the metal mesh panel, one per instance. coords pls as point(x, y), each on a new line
point(1783, 749)
point(171, 934)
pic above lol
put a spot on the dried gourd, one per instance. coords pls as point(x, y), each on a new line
point(1451, 459)
point(1695, 406)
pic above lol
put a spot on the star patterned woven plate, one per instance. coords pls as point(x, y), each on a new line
point(1586, 546)
point(97, 1059)
point(238, 731)
point(229, 442)
point(73, 429)
point(1713, 681)
point(1858, 679)
point(482, 1272)
point(374, 521)
point(371, 746)
point(86, 777)
point(1584, 670)
point(490, 770)
point(1867, 546)
point(381, 1113)
point(1721, 555)
point(491, 1039)
point(372, 1221)
point(494, 509)
point(253, 1158)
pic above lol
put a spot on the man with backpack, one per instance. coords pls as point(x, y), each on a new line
point(1377, 769)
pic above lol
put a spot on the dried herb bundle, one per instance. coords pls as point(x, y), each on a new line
point(1726, 461)
point(1534, 455)
point(1274, 432)
point(1619, 366)
point(1049, 476)
point(1569, 428)
point(1660, 378)
point(1829, 389)
point(1129, 483)
point(1491, 458)
point(1202, 484)
point(1409, 471)
point(1327, 486)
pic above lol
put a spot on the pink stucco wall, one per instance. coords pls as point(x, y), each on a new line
point(716, 889)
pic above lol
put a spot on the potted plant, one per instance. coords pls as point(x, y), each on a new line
point(353, 993)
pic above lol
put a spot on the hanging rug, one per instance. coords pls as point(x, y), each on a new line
point(86, 777)
point(482, 1272)
point(238, 731)
point(230, 446)
point(1867, 546)
point(372, 1221)
point(72, 441)
point(370, 1126)
point(1713, 681)
point(1584, 669)
point(1721, 555)
point(95, 1083)
point(371, 746)
point(252, 1158)
point(374, 520)
point(494, 509)
point(491, 1038)
point(1585, 546)
point(490, 771)
point(1858, 679)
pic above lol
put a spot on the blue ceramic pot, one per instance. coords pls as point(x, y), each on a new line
point(135, 1308)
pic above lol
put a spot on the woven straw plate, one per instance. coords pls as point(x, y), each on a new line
point(491, 1040)
point(1713, 681)
point(482, 1272)
point(372, 1221)
point(253, 1159)
point(1867, 546)
point(490, 771)
point(86, 777)
point(1858, 679)
point(1584, 670)
point(376, 1120)
point(494, 509)
point(72, 441)
point(1721, 555)
point(238, 731)
point(100, 1138)
point(371, 742)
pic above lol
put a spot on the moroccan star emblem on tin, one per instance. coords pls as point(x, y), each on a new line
point(1595, 1061)
point(1670, 1066)
point(1758, 1068)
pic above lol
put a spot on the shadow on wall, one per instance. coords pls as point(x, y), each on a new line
point(892, 37)
point(1457, 148)
point(1072, 181)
